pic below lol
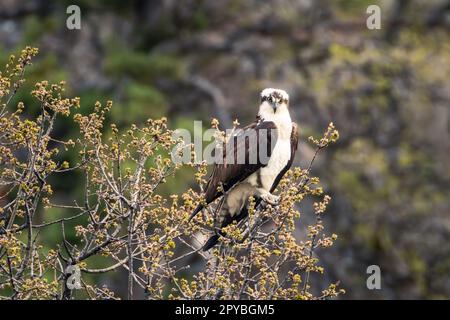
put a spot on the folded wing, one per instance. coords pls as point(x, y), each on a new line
point(243, 154)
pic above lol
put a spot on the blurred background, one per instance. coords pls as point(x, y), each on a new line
point(387, 91)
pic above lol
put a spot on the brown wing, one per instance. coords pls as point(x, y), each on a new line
point(294, 145)
point(225, 175)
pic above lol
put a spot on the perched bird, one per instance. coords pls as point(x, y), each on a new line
point(260, 173)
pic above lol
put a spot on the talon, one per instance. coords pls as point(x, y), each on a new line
point(271, 199)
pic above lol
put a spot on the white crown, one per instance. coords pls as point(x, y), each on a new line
point(269, 91)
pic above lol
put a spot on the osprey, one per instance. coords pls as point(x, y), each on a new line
point(235, 181)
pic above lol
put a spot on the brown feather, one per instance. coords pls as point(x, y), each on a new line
point(224, 175)
point(212, 241)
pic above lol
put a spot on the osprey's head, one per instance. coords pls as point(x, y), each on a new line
point(273, 102)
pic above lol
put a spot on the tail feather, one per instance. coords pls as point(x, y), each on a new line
point(211, 242)
point(194, 213)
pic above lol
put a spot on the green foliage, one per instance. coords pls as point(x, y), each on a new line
point(389, 98)
point(122, 221)
point(142, 102)
point(143, 67)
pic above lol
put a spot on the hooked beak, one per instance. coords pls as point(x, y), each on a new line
point(275, 106)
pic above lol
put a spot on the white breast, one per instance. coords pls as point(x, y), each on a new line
point(279, 159)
